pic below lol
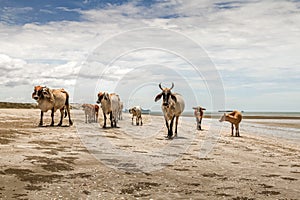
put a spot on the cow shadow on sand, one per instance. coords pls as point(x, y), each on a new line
point(55, 126)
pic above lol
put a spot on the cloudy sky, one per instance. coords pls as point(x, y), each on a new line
point(219, 54)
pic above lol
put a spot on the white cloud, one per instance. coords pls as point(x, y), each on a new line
point(254, 45)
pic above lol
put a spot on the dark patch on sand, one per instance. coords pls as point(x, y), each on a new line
point(270, 175)
point(242, 198)
point(34, 178)
point(266, 186)
point(139, 186)
point(268, 192)
point(53, 164)
point(33, 187)
point(211, 175)
point(289, 178)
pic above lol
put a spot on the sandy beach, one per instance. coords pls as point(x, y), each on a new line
point(137, 162)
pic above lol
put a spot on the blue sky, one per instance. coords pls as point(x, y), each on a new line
point(253, 45)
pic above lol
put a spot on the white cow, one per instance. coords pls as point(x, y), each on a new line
point(91, 112)
point(110, 105)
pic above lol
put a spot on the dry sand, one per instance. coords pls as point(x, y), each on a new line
point(54, 163)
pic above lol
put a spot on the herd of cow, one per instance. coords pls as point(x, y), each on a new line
point(111, 105)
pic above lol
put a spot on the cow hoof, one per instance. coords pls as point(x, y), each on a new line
point(51, 124)
point(169, 137)
point(59, 124)
point(70, 123)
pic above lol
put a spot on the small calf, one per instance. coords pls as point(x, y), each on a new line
point(91, 112)
point(136, 112)
point(198, 113)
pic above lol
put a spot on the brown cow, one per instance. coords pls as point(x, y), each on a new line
point(198, 113)
point(234, 118)
point(52, 99)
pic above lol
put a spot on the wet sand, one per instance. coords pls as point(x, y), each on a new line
point(64, 163)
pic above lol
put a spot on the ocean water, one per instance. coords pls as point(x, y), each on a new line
point(279, 128)
point(270, 124)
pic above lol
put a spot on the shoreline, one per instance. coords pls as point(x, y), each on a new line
point(246, 115)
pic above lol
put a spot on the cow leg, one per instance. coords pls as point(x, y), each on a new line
point(61, 117)
point(52, 117)
point(93, 117)
point(167, 124)
point(137, 119)
point(170, 133)
point(176, 123)
point(68, 111)
point(197, 121)
point(141, 121)
point(231, 129)
point(41, 120)
point(111, 120)
point(104, 115)
point(132, 120)
point(199, 127)
point(115, 119)
point(237, 131)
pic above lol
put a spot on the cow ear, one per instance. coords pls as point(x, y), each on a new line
point(174, 98)
point(158, 97)
point(106, 96)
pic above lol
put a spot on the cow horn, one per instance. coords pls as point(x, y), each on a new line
point(172, 86)
point(160, 86)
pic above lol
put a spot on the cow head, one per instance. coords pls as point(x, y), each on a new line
point(84, 106)
point(166, 94)
point(199, 109)
point(102, 95)
point(40, 93)
point(223, 118)
point(132, 110)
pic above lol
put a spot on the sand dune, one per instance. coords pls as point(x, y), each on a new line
point(86, 161)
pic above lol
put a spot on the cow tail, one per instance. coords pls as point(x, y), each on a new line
point(66, 103)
